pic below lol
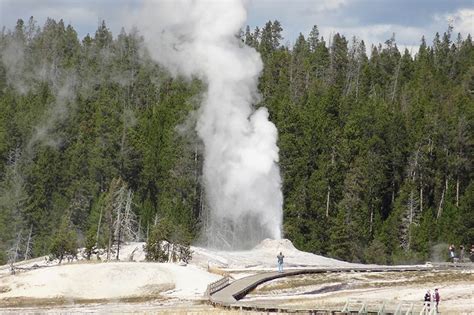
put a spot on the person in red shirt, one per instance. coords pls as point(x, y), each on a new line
point(436, 299)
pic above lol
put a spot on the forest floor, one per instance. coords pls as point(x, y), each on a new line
point(134, 286)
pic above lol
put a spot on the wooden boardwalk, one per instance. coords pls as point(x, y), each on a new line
point(229, 295)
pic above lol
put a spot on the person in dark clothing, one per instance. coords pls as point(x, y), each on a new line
point(427, 299)
point(436, 299)
point(280, 262)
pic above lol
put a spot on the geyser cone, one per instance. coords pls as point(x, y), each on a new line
point(241, 174)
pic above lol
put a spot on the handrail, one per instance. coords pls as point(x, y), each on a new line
point(346, 306)
point(398, 311)
point(401, 308)
point(424, 309)
point(382, 308)
point(217, 285)
point(427, 310)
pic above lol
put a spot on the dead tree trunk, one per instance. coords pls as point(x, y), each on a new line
point(119, 236)
point(395, 83)
point(139, 230)
point(118, 206)
point(457, 191)
point(421, 194)
point(98, 228)
point(13, 252)
point(327, 201)
point(411, 206)
point(441, 201)
point(28, 245)
point(371, 219)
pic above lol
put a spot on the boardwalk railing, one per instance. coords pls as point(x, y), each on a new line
point(367, 306)
point(217, 285)
point(427, 310)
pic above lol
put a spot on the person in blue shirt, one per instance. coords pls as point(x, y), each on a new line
point(280, 262)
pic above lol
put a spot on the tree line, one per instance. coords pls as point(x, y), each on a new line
point(97, 143)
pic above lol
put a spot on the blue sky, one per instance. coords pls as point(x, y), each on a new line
point(373, 21)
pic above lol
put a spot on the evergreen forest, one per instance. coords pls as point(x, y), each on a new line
point(375, 143)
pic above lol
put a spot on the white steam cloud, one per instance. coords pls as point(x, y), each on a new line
point(241, 174)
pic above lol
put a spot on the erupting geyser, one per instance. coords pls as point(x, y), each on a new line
point(241, 174)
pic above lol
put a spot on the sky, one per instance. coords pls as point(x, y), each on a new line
point(373, 21)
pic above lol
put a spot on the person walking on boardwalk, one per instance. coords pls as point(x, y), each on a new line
point(451, 252)
point(280, 262)
point(427, 300)
point(436, 299)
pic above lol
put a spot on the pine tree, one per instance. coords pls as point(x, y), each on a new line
point(64, 243)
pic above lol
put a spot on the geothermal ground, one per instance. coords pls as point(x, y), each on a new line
point(134, 286)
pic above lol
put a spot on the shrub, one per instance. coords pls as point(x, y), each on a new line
point(64, 242)
point(168, 242)
point(376, 253)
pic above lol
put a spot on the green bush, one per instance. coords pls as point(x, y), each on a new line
point(64, 242)
point(402, 257)
point(376, 253)
point(3, 258)
point(168, 240)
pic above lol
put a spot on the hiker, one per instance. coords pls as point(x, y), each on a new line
point(472, 253)
point(451, 252)
point(427, 300)
point(280, 262)
point(436, 299)
point(461, 253)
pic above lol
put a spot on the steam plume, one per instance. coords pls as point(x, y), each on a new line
point(241, 174)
